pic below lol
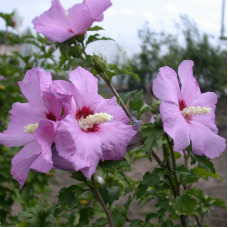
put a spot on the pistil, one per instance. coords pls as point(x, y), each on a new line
point(30, 128)
point(192, 110)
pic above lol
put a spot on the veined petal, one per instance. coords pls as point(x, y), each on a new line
point(80, 18)
point(208, 100)
point(175, 125)
point(190, 89)
point(166, 86)
point(44, 135)
point(115, 136)
point(57, 100)
point(21, 115)
point(86, 87)
point(81, 149)
point(35, 82)
point(206, 142)
point(111, 107)
point(53, 23)
point(23, 160)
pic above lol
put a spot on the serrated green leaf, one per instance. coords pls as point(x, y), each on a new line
point(113, 195)
point(118, 218)
point(78, 176)
point(185, 204)
point(137, 102)
point(85, 215)
point(101, 222)
point(125, 96)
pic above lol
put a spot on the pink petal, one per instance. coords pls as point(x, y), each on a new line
point(111, 107)
point(175, 125)
point(81, 149)
point(190, 88)
point(115, 136)
point(22, 114)
point(69, 106)
point(80, 18)
point(166, 86)
point(35, 82)
point(208, 100)
point(22, 161)
point(57, 100)
point(86, 87)
point(45, 136)
point(53, 23)
point(206, 142)
point(97, 7)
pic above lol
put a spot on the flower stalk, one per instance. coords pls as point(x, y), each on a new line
point(101, 201)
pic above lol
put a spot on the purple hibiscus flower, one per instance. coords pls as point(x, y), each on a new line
point(188, 114)
point(33, 124)
point(96, 128)
point(58, 24)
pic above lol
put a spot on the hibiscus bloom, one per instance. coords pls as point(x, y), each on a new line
point(188, 114)
point(58, 24)
point(96, 128)
point(33, 124)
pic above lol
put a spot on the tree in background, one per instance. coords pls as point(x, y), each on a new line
point(160, 49)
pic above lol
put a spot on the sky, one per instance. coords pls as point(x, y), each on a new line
point(122, 20)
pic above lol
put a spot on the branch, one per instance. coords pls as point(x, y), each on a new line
point(101, 201)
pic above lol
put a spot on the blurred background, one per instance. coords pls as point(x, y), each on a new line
point(148, 34)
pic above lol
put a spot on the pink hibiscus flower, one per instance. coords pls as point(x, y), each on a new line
point(96, 129)
point(188, 114)
point(33, 124)
point(58, 24)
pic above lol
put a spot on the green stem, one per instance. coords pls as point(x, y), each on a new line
point(101, 201)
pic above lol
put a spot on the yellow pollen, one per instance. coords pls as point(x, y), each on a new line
point(30, 128)
point(96, 118)
point(83, 201)
point(192, 110)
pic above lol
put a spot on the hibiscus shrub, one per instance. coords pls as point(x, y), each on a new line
point(66, 124)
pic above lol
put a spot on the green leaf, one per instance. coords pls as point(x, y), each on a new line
point(101, 222)
point(204, 173)
point(85, 215)
point(68, 196)
point(95, 37)
point(113, 195)
point(118, 218)
point(204, 162)
point(137, 102)
point(185, 204)
point(78, 176)
point(125, 96)
point(95, 28)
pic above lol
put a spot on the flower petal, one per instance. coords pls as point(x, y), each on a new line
point(81, 149)
point(190, 89)
point(45, 136)
point(21, 115)
point(35, 82)
point(111, 107)
point(97, 7)
point(22, 161)
point(79, 18)
point(57, 100)
point(208, 100)
point(86, 87)
point(166, 86)
point(115, 137)
point(53, 23)
point(175, 125)
point(206, 142)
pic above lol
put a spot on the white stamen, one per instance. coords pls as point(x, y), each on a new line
point(96, 118)
point(66, 14)
point(192, 110)
point(30, 128)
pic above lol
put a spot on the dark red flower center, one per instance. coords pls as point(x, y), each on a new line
point(51, 116)
point(182, 105)
point(83, 113)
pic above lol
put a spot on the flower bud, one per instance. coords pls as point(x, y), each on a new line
point(155, 105)
point(99, 63)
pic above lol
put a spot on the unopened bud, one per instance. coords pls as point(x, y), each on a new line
point(99, 63)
